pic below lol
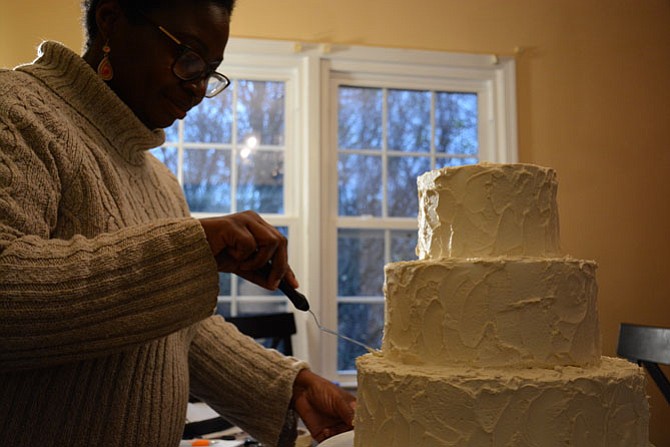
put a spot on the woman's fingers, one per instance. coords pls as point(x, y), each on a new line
point(247, 245)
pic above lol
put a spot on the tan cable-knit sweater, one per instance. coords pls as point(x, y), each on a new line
point(107, 286)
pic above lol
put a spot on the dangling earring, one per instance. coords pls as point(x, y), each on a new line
point(105, 70)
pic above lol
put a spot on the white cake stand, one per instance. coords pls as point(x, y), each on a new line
point(345, 439)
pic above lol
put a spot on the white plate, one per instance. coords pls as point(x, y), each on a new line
point(345, 439)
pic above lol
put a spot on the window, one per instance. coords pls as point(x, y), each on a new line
point(326, 144)
point(229, 156)
point(386, 138)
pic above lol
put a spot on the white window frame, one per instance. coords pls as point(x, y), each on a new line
point(311, 71)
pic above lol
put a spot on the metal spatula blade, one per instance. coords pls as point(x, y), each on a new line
point(300, 302)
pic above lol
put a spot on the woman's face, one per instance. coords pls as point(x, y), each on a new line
point(142, 57)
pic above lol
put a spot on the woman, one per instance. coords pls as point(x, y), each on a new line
point(107, 286)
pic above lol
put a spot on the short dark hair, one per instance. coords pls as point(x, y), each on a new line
point(130, 7)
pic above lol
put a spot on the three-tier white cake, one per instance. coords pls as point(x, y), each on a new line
point(491, 338)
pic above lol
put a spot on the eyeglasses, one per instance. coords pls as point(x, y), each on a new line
point(189, 65)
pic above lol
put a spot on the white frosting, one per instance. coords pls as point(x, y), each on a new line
point(492, 338)
point(402, 406)
point(492, 312)
point(488, 210)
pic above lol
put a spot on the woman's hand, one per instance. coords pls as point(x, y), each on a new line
point(325, 408)
point(245, 244)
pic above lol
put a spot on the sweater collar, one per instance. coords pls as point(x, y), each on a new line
point(73, 79)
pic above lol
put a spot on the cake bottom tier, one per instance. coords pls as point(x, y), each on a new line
point(406, 405)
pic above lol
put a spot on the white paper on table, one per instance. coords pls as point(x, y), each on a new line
point(216, 443)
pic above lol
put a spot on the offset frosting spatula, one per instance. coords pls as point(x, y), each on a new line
point(298, 299)
point(300, 302)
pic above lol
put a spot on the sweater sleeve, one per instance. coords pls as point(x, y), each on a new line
point(249, 385)
point(64, 300)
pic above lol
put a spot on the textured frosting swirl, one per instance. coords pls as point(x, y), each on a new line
point(492, 312)
point(492, 338)
point(488, 210)
point(401, 405)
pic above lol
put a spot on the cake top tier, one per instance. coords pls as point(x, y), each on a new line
point(487, 210)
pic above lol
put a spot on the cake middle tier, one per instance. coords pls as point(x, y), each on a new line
point(492, 312)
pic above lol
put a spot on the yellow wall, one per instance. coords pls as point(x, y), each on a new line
point(593, 82)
